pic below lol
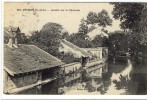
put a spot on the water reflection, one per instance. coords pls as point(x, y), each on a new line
point(120, 78)
point(128, 80)
point(124, 77)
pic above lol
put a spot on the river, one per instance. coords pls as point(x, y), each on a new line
point(124, 77)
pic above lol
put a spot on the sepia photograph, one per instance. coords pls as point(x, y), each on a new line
point(75, 48)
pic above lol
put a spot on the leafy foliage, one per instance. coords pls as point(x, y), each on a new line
point(48, 38)
point(128, 13)
point(22, 38)
point(81, 38)
point(143, 27)
point(68, 58)
point(132, 17)
point(119, 40)
point(101, 19)
point(92, 18)
point(100, 41)
point(83, 28)
point(65, 35)
point(104, 19)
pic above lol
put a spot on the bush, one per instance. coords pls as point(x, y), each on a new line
point(68, 58)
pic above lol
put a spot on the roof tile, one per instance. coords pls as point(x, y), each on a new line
point(27, 58)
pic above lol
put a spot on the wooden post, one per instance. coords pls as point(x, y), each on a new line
point(5, 82)
point(39, 80)
point(39, 89)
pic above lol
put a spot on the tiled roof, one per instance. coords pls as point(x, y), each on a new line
point(95, 32)
point(70, 64)
point(92, 49)
point(76, 48)
point(27, 58)
point(12, 29)
point(8, 33)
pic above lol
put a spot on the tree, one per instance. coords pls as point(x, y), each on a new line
point(143, 26)
point(65, 35)
point(128, 13)
point(91, 28)
point(48, 38)
point(68, 58)
point(102, 19)
point(81, 38)
point(83, 28)
point(120, 40)
point(22, 38)
point(99, 41)
point(92, 18)
point(132, 18)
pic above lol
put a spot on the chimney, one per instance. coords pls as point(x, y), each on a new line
point(15, 42)
point(10, 43)
point(12, 37)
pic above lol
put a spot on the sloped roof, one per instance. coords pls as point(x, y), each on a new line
point(93, 63)
point(97, 31)
point(92, 49)
point(7, 29)
point(27, 58)
point(97, 48)
point(12, 29)
point(76, 48)
point(70, 64)
point(8, 33)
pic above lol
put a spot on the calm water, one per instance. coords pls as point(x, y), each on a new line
point(123, 77)
point(120, 78)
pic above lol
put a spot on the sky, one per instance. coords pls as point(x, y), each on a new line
point(21, 15)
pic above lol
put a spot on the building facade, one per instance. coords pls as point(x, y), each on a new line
point(27, 67)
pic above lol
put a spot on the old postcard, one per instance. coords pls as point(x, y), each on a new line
point(75, 48)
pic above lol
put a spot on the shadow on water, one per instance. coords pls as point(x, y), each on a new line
point(124, 77)
point(138, 82)
point(50, 88)
point(109, 78)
